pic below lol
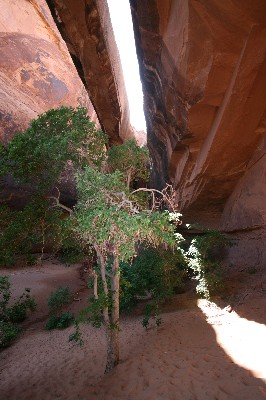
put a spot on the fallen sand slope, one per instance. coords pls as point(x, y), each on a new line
point(179, 360)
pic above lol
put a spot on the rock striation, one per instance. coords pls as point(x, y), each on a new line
point(203, 69)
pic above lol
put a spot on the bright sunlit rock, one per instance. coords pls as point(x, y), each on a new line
point(123, 29)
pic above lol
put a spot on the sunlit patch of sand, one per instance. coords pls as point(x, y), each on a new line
point(243, 340)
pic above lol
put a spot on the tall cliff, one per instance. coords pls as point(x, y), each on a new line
point(203, 70)
point(36, 71)
point(86, 27)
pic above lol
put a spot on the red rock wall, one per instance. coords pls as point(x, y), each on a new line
point(203, 68)
point(36, 70)
point(244, 215)
point(87, 30)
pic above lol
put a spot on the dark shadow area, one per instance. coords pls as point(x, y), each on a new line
point(245, 292)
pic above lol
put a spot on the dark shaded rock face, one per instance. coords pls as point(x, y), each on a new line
point(203, 69)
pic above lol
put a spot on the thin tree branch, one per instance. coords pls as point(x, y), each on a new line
point(95, 284)
point(169, 199)
point(58, 204)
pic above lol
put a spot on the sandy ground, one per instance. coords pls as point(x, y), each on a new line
point(200, 352)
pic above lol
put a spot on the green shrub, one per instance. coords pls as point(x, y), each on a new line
point(52, 141)
point(59, 298)
point(18, 312)
point(5, 294)
point(151, 311)
point(22, 231)
point(60, 321)
point(155, 272)
point(10, 315)
point(204, 258)
point(72, 250)
point(8, 333)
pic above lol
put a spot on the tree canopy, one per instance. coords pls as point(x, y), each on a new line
point(55, 138)
point(108, 216)
point(132, 160)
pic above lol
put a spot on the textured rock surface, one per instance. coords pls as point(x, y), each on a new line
point(140, 136)
point(87, 30)
point(36, 74)
point(203, 69)
point(245, 214)
point(36, 70)
point(204, 75)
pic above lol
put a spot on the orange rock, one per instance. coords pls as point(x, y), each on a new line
point(36, 70)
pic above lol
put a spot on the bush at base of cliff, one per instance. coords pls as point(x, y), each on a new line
point(59, 298)
point(157, 273)
point(204, 258)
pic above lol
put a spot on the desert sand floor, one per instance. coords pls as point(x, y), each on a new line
point(202, 351)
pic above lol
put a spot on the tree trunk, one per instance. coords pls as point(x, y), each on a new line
point(112, 349)
point(129, 178)
point(115, 308)
point(111, 324)
point(113, 331)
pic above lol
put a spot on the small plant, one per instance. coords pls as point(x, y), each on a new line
point(8, 333)
point(59, 298)
point(5, 294)
point(61, 321)
point(10, 315)
point(76, 336)
point(151, 311)
point(18, 312)
point(252, 270)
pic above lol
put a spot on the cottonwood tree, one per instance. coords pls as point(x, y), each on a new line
point(108, 216)
point(132, 160)
point(53, 140)
point(58, 140)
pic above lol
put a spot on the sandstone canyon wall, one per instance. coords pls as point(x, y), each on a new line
point(87, 30)
point(36, 70)
point(203, 69)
